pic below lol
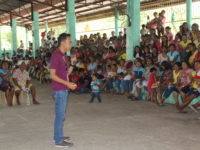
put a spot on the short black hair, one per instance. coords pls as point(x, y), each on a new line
point(153, 69)
point(95, 75)
point(192, 44)
point(173, 45)
point(62, 37)
point(166, 65)
point(5, 61)
point(178, 64)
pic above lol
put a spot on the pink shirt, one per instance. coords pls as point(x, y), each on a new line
point(169, 35)
point(158, 45)
point(185, 76)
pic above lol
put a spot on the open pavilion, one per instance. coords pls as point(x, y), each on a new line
point(115, 124)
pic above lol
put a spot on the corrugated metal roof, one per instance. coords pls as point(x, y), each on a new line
point(7, 6)
point(54, 10)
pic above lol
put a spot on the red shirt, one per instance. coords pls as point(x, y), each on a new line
point(151, 80)
point(74, 78)
point(197, 56)
point(158, 45)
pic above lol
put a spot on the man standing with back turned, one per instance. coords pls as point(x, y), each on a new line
point(60, 86)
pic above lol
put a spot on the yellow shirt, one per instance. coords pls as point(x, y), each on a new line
point(82, 66)
point(192, 57)
point(175, 76)
point(197, 43)
point(185, 44)
point(194, 35)
point(123, 56)
point(194, 84)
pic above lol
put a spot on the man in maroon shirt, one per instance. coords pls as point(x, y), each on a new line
point(59, 71)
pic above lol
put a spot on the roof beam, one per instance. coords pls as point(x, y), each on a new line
point(44, 3)
point(14, 14)
point(40, 7)
point(78, 12)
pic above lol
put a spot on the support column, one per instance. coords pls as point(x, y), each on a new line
point(71, 21)
point(133, 29)
point(116, 22)
point(189, 13)
point(36, 35)
point(26, 30)
point(14, 35)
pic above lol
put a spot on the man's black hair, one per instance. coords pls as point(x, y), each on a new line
point(62, 37)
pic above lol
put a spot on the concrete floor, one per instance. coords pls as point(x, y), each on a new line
point(116, 124)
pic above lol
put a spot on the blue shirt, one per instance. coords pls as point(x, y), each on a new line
point(172, 55)
point(92, 66)
point(138, 72)
point(4, 73)
point(95, 86)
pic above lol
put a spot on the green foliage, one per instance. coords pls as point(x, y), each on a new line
point(6, 35)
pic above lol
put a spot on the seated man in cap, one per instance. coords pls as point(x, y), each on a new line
point(21, 81)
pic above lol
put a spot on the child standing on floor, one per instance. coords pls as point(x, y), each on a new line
point(152, 85)
point(95, 89)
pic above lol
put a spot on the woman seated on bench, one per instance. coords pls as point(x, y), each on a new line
point(5, 84)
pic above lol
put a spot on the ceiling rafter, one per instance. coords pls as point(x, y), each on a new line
point(78, 12)
point(14, 14)
point(44, 3)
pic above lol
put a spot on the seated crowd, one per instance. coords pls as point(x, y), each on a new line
point(163, 64)
point(14, 80)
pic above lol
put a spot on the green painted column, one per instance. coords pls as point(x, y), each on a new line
point(189, 13)
point(117, 22)
point(133, 31)
point(36, 35)
point(14, 34)
point(26, 30)
point(46, 27)
point(71, 21)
